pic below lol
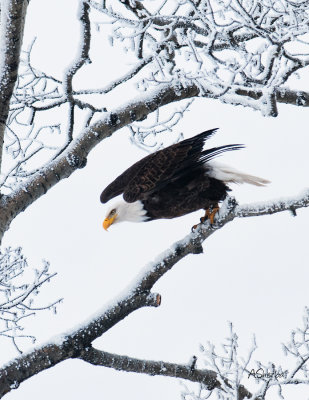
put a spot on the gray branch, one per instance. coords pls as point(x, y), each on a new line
point(207, 377)
point(75, 343)
point(75, 155)
point(83, 56)
point(12, 19)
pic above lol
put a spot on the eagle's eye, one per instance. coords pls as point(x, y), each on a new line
point(113, 212)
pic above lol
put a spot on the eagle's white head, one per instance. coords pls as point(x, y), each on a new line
point(123, 211)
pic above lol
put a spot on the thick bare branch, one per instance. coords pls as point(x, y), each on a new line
point(13, 13)
point(75, 155)
point(74, 344)
point(283, 95)
point(83, 56)
point(208, 378)
point(71, 344)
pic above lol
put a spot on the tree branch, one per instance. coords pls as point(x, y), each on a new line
point(208, 378)
point(83, 56)
point(138, 295)
point(71, 344)
point(12, 19)
point(75, 155)
point(283, 95)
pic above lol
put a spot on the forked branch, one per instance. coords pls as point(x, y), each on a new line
point(77, 343)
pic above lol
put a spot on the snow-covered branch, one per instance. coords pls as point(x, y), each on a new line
point(12, 19)
point(75, 154)
point(227, 47)
point(237, 52)
point(77, 343)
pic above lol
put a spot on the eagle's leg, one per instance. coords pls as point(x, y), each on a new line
point(210, 213)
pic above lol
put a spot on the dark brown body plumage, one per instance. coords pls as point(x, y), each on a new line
point(180, 198)
point(173, 181)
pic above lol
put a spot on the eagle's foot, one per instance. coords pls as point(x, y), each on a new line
point(211, 212)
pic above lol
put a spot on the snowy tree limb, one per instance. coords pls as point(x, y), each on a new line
point(283, 95)
point(83, 56)
point(206, 377)
point(260, 86)
point(70, 345)
point(12, 19)
point(75, 155)
point(75, 343)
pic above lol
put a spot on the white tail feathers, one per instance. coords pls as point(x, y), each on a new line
point(228, 174)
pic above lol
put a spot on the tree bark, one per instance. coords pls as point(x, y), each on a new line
point(75, 155)
point(77, 343)
point(12, 20)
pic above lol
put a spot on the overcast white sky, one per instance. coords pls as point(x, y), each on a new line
point(253, 272)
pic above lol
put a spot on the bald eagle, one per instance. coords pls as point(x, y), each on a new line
point(175, 181)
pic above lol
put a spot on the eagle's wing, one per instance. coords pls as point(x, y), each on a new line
point(154, 171)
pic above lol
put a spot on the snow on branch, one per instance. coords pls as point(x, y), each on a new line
point(77, 343)
point(74, 155)
point(239, 52)
point(12, 20)
point(226, 48)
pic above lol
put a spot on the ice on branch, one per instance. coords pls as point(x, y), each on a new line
point(151, 134)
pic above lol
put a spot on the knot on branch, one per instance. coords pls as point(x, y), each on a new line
point(114, 119)
point(74, 346)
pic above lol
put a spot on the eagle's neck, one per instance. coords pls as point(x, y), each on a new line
point(133, 212)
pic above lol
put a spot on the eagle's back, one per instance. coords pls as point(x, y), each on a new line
point(155, 170)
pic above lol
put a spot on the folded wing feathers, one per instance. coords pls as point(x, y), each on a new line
point(209, 154)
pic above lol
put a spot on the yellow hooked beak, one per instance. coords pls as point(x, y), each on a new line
point(108, 221)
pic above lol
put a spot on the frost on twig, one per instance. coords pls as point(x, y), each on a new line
point(233, 370)
point(241, 52)
point(298, 347)
point(150, 135)
point(17, 297)
point(77, 343)
point(230, 367)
